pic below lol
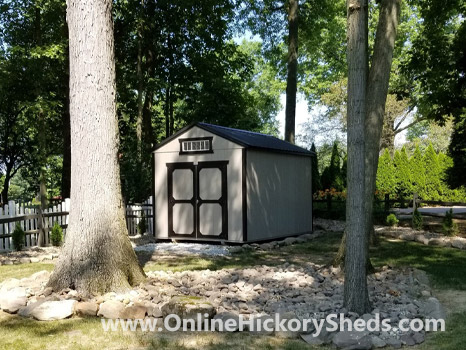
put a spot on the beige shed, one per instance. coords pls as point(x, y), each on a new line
point(214, 183)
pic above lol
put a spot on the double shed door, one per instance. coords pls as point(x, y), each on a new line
point(197, 200)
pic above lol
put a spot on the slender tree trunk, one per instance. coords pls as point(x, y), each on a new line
point(292, 77)
point(97, 256)
point(148, 132)
point(356, 297)
point(377, 90)
point(167, 111)
point(42, 240)
point(172, 117)
point(6, 184)
point(140, 93)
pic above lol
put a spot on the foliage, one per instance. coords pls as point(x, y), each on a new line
point(332, 176)
point(403, 176)
point(449, 227)
point(392, 220)
point(438, 50)
point(18, 237)
point(142, 225)
point(386, 175)
point(429, 132)
point(56, 236)
point(332, 193)
point(33, 84)
point(190, 70)
point(425, 173)
point(417, 171)
point(417, 220)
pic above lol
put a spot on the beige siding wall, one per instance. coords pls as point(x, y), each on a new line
point(223, 150)
point(279, 195)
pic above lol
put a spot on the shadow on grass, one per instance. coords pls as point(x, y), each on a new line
point(446, 266)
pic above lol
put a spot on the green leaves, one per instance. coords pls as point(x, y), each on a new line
point(423, 173)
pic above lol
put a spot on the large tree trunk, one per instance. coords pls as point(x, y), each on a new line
point(377, 90)
point(97, 256)
point(292, 77)
point(356, 297)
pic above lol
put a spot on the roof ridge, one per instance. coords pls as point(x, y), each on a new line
point(235, 129)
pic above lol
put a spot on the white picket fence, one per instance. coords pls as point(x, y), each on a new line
point(136, 212)
point(27, 215)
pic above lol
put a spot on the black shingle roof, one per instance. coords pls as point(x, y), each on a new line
point(248, 139)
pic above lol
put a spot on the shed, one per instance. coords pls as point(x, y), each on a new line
point(214, 183)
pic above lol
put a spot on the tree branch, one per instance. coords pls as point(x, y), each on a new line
point(404, 117)
point(410, 125)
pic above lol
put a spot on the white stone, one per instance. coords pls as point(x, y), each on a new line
point(53, 310)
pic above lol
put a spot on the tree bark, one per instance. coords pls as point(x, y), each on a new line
point(140, 93)
point(292, 75)
point(6, 184)
point(66, 170)
point(97, 256)
point(377, 90)
point(167, 111)
point(356, 297)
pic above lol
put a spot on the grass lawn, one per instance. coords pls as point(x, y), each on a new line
point(445, 266)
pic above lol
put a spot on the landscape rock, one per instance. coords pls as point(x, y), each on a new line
point(26, 311)
point(53, 310)
point(224, 316)
point(290, 241)
point(459, 243)
point(378, 342)
point(419, 337)
point(407, 236)
point(352, 340)
point(395, 343)
point(312, 340)
point(12, 298)
point(111, 309)
point(134, 312)
point(433, 309)
point(12, 303)
point(187, 308)
point(86, 308)
point(437, 242)
point(260, 320)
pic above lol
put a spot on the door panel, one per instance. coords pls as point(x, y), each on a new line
point(183, 215)
point(181, 200)
point(210, 183)
point(212, 205)
point(183, 184)
point(210, 219)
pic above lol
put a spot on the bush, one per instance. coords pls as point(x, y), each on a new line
point(18, 237)
point(392, 220)
point(418, 221)
point(56, 237)
point(450, 228)
point(142, 226)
